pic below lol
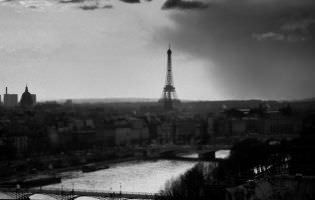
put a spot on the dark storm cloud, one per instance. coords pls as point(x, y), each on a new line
point(89, 7)
point(297, 27)
point(94, 7)
point(71, 1)
point(108, 6)
point(131, 1)
point(259, 48)
point(181, 4)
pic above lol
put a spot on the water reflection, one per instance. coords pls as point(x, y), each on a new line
point(193, 155)
point(222, 154)
point(137, 176)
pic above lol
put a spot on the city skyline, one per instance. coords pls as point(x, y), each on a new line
point(251, 49)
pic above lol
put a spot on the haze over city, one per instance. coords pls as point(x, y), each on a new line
point(222, 49)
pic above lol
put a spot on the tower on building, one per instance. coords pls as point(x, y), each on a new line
point(169, 96)
point(10, 100)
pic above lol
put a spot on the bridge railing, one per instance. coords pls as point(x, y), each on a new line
point(65, 191)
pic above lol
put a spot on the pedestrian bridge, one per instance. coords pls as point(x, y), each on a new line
point(69, 194)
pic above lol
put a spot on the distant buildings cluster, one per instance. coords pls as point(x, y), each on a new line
point(71, 129)
point(65, 129)
point(11, 100)
point(260, 122)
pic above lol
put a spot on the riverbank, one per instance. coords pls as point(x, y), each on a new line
point(47, 177)
point(97, 164)
point(73, 161)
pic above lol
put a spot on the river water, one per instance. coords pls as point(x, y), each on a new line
point(134, 176)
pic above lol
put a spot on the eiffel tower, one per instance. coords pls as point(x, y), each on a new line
point(169, 96)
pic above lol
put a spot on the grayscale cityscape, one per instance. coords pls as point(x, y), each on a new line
point(157, 99)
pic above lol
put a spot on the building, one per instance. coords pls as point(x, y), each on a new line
point(241, 123)
point(165, 133)
point(10, 100)
point(254, 125)
point(20, 143)
point(34, 98)
point(237, 127)
point(187, 131)
point(153, 124)
point(123, 135)
point(277, 124)
point(105, 133)
point(210, 127)
point(74, 134)
point(27, 99)
point(131, 131)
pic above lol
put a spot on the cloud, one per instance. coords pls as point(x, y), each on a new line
point(289, 37)
point(55, 4)
point(269, 36)
point(298, 25)
point(108, 6)
point(231, 38)
point(131, 1)
point(293, 29)
point(182, 4)
point(95, 6)
point(89, 7)
point(71, 1)
point(35, 4)
point(302, 27)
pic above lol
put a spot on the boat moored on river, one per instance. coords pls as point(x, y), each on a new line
point(93, 167)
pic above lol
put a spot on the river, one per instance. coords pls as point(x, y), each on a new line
point(134, 176)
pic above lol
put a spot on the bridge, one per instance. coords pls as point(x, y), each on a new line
point(205, 154)
point(69, 194)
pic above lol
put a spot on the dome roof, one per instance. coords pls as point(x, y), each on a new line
point(26, 99)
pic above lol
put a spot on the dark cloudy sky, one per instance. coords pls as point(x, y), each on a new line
point(222, 49)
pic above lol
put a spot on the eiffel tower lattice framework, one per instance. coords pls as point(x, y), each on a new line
point(169, 96)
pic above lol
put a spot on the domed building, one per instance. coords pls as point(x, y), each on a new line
point(27, 99)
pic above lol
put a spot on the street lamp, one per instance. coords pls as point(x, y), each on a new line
point(17, 189)
point(72, 188)
point(61, 192)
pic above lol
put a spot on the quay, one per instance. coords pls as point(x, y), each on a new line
point(69, 194)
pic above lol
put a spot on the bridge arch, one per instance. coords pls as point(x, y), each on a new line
point(41, 197)
point(5, 196)
point(85, 198)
